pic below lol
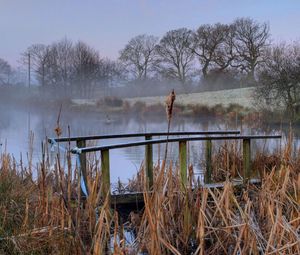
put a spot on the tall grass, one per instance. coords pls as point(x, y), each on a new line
point(48, 215)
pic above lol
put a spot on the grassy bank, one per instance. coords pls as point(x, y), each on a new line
point(230, 104)
point(242, 96)
point(46, 215)
point(209, 100)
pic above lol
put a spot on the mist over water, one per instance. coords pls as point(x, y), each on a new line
point(23, 131)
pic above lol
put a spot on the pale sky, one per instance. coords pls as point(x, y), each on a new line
point(107, 25)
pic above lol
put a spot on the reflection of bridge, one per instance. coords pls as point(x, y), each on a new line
point(182, 138)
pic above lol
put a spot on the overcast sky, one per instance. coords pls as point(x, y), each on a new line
point(108, 24)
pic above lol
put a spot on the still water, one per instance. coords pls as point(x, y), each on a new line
point(16, 125)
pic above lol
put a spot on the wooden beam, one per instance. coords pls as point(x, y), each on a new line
point(208, 159)
point(172, 140)
point(183, 163)
point(105, 176)
point(128, 135)
point(246, 159)
point(149, 163)
point(131, 199)
point(82, 159)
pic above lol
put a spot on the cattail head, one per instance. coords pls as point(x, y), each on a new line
point(58, 131)
point(169, 104)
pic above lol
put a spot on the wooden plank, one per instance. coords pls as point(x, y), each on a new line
point(208, 160)
point(235, 182)
point(170, 140)
point(149, 163)
point(183, 163)
point(105, 176)
point(246, 159)
point(128, 135)
point(138, 197)
point(128, 198)
point(82, 159)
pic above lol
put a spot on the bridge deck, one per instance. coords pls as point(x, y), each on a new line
point(132, 199)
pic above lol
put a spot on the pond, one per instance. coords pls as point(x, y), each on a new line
point(22, 133)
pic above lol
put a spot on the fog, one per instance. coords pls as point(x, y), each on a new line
point(25, 125)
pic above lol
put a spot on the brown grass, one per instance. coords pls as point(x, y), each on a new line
point(46, 215)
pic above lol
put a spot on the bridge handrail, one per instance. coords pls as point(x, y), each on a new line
point(170, 140)
point(128, 135)
point(81, 150)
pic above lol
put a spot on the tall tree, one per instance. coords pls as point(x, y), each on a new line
point(5, 72)
point(212, 47)
point(139, 56)
point(39, 57)
point(62, 57)
point(86, 62)
point(110, 73)
point(250, 44)
point(279, 78)
point(175, 54)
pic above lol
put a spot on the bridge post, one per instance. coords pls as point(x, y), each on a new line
point(82, 159)
point(246, 159)
point(208, 155)
point(149, 163)
point(105, 177)
point(183, 163)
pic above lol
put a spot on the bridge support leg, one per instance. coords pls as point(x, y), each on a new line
point(105, 177)
point(82, 159)
point(149, 163)
point(183, 163)
point(246, 160)
point(208, 155)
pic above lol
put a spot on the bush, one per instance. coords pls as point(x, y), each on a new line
point(235, 108)
point(218, 110)
point(201, 110)
point(138, 107)
point(110, 102)
point(113, 101)
point(157, 109)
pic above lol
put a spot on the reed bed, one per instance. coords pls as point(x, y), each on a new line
point(47, 214)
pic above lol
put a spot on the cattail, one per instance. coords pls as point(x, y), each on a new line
point(169, 104)
point(169, 110)
point(58, 130)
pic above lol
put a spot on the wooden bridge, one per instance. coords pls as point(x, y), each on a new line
point(182, 139)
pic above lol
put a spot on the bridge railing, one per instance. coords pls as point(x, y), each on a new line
point(148, 136)
point(182, 141)
point(145, 134)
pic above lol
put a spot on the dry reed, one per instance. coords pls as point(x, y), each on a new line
point(46, 215)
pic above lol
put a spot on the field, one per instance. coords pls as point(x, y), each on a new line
point(241, 96)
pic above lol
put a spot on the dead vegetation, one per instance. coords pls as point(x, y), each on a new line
point(47, 215)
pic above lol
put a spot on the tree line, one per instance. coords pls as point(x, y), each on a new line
point(238, 53)
point(211, 50)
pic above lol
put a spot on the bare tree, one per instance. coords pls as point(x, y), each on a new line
point(86, 62)
point(110, 73)
point(39, 55)
point(279, 78)
point(225, 54)
point(138, 56)
point(212, 45)
point(175, 54)
point(5, 72)
point(65, 67)
point(62, 57)
point(250, 44)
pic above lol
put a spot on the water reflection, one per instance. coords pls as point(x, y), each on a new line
point(15, 127)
